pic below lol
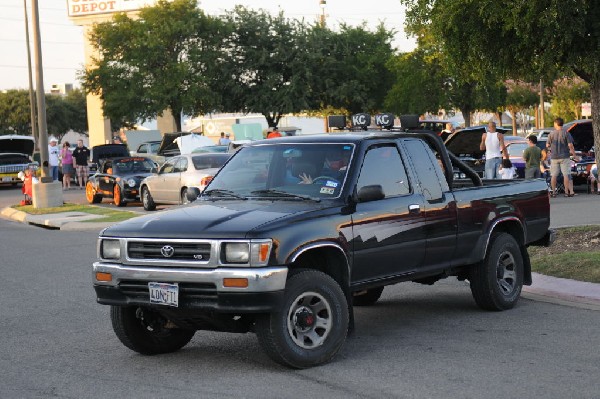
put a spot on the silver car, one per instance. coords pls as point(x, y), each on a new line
point(170, 184)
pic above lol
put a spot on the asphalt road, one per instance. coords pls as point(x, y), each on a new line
point(417, 342)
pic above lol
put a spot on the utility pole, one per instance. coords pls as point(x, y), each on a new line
point(34, 130)
point(39, 85)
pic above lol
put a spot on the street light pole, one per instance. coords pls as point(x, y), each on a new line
point(322, 4)
point(39, 85)
point(34, 130)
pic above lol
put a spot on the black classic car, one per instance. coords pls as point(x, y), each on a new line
point(118, 179)
point(295, 231)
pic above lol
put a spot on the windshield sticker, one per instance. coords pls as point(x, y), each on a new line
point(327, 190)
point(330, 183)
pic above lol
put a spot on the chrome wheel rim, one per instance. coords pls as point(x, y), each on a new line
point(309, 320)
point(506, 273)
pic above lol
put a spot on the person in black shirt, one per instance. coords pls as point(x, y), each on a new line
point(81, 154)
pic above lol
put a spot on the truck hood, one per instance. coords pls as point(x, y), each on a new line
point(13, 144)
point(203, 219)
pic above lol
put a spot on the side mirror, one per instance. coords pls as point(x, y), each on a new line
point(154, 170)
point(370, 193)
point(192, 193)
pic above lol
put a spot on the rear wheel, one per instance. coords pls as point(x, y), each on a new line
point(147, 332)
point(312, 324)
point(90, 194)
point(497, 282)
point(183, 197)
point(118, 196)
point(147, 200)
point(367, 297)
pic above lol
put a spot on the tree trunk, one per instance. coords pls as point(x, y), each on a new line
point(595, 94)
point(177, 118)
point(513, 115)
point(466, 112)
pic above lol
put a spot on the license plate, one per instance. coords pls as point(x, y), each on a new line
point(164, 294)
point(7, 178)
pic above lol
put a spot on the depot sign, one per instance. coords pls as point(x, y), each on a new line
point(79, 8)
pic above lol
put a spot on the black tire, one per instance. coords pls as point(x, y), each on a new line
point(312, 325)
point(147, 200)
point(497, 282)
point(90, 194)
point(182, 198)
point(368, 297)
point(144, 331)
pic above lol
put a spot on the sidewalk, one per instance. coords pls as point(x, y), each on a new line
point(58, 221)
point(545, 288)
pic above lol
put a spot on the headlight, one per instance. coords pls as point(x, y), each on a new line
point(253, 252)
point(131, 183)
point(110, 249)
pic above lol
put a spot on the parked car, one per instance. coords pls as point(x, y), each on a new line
point(101, 152)
point(118, 179)
point(149, 149)
point(434, 125)
point(542, 133)
point(210, 148)
point(515, 154)
point(176, 175)
point(15, 156)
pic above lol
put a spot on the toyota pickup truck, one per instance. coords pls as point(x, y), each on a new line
point(293, 232)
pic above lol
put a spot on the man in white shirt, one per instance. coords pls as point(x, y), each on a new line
point(493, 144)
point(53, 157)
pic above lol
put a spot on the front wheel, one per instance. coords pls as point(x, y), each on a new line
point(147, 200)
point(312, 324)
point(145, 331)
point(118, 196)
point(497, 282)
point(90, 194)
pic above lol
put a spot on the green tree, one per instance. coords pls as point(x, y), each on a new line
point(568, 94)
point(15, 116)
point(521, 96)
point(162, 60)
point(519, 40)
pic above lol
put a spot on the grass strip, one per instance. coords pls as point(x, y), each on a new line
point(110, 215)
point(581, 266)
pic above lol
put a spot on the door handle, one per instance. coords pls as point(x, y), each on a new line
point(414, 208)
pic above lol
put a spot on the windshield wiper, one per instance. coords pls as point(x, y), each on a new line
point(222, 193)
point(284, 194)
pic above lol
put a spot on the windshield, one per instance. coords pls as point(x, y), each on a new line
point(516, 150)
point(276, 170)
point(209, 161)
point(133, 165)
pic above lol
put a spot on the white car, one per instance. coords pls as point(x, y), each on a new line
point(176, 175)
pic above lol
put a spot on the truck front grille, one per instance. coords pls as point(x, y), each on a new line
point(169, 251)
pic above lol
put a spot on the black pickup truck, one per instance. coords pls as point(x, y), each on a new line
point(292, 232)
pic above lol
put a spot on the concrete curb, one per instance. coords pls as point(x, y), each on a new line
point(62, 221)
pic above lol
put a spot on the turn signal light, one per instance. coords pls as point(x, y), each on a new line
point(235, 282)
point(263, 252)
point(100, 276)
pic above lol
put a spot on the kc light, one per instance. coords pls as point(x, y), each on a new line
point(110, 249)
point(131, 183)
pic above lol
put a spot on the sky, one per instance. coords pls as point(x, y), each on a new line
point(62, 40)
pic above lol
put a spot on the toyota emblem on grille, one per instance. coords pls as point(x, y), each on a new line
point(167, 251)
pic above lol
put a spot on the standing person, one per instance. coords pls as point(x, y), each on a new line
point(507, 170)
point(81, 155)
point(532, 156)
point(274, 133)
point(493, 144)
point(53, 158)
point(447, 131)
point(224, 140)
point(560, 144)
point(67, 165)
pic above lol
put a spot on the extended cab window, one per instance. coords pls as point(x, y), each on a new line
point(428, 169)
point(383, 166)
